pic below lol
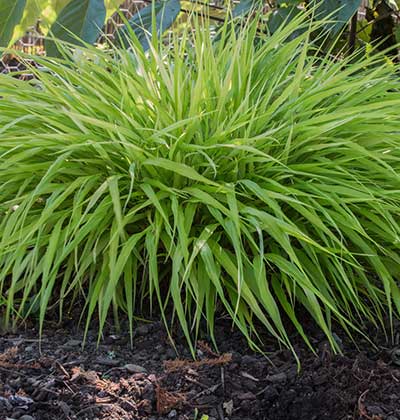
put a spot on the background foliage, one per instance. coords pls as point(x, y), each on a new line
point(69, 19)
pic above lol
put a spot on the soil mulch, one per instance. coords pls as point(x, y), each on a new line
point(56, 379)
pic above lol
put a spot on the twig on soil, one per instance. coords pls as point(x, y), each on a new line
point(223, 380)
point(69, 388)
point(107, 372)
point(76, 362)
point(12, 371)
point(248, 376)
point(193, 381)
point(362, 412)
point(220, 412)
point(62, 369)
point(207, 391)
point(25, 340)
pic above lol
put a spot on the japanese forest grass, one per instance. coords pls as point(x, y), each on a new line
point(255, 179)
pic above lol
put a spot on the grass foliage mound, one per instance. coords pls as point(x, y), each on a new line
point(257, 178)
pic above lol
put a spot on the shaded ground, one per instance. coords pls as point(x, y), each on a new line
point(150, 382)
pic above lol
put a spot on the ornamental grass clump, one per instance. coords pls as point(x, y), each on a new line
point(256, 179)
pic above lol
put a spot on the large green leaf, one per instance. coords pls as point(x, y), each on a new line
point(246, 6)
point(31, 14)
point(50, 12)
point(339, 11)
point(44, 11)
point(11, 12)
point(165, 13)
point(37, 10)
point(82, 18)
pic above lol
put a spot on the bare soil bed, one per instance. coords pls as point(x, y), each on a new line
point(153, 382)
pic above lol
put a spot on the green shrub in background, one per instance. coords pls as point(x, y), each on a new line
point(255, 178)
point(75, 20)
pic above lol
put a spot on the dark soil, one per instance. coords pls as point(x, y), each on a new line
point(60, 381)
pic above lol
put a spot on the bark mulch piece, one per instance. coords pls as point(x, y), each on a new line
point(56, 379)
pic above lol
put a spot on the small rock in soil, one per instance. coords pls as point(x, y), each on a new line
point(131, 368)
point(19, 400)
point(106, 361)
point(148, 392)
point(207, 400)
point(64, 408)
point(214, 412)
point(278, 377)
point(247, 360)
point(142, 330)
point(15, 383)
point(395, 355)
point(250, 385)
point(247, 406)
point(375, 410)
point(72, 343)
point(170, 353)
point(270, 393)
point(320, 380)
point(4, 404)
point(246, 396)
point(17, 414)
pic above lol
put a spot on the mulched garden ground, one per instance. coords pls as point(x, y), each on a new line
point(60, 381)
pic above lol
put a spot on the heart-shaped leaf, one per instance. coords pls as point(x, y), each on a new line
point(246, 6)
point(339, 11)
point(165, 13)
point(82, 18)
